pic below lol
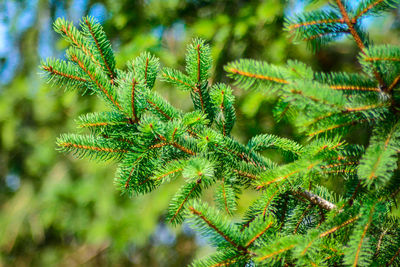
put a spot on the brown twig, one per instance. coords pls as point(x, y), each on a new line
point(316, 200)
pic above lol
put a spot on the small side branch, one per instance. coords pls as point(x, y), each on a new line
point(350, 24)
point(316, 200)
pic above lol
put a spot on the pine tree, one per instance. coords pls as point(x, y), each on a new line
point(295, 220)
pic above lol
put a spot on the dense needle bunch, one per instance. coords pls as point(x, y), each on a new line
point(295, 220)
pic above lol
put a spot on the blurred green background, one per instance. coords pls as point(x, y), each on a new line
point(56, 210)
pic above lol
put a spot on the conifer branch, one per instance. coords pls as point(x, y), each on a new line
point(379, 244)
point(394, 83)
point(94, 79)
point(345, 111)
point(350, 24)
point(146, 69)
point(75, 37)
point(159, 110)
point(184, 149)
point(224, 196)
point(97, 124)
point(94, 148)
point(354, 88)
point(277, 179)
point(66, 75)
point(365, 10)
point(319, 35)
point(315, 22)
point(302, 217)
point(246, 174)
point(179, 209)
point(134, 117)
point(336, 126)
point(373, 59)
point(170, 77)
point(357, 37)
point(334, 229)
point(198, 91)
point(198, 64)
point(257, 76)
point(110, 71)
point(226, 262)
point(258, 235)
point(209, 223)
point(393, 258)
point(132, 169)
point(273, 254)
point(156, 143)
point(269, 202)
point(366, 227)
point(330, 231)
point(168, 173)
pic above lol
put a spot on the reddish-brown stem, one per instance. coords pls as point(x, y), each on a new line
point(246, 174)
point(366, 10)
point(394, 83)
point(134, 117)
point(100, 51)
point(159, 110)
point(69, 76)
point(315, 22)
point(95, 148)
point(258, 76)
point(302, 217)
point(184, 201)
point(222, 107)
point(198, 63)
point(224, 196)
point(350, 24)
point(257, 236)
point(356, 36)
point(209, 223)
point(393, 258)
point(93, 78)
point(145, 70)
point(173, 134)
point(362, 237)
point(184, 149)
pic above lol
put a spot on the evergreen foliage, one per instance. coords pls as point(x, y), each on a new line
point(295, 220)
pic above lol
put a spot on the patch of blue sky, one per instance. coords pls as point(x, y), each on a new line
point(7, 70)
point(15, 18)
point(13, 181)
point(3, 39)
point(163, 235)
point(27, 16)
point(46, 39)
point(158, 31)
point(294, 7)
point(60, 11)
point(99, 12)
point(178, 30)
point(77, 9)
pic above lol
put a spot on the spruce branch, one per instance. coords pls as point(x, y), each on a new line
point(357, 38)
point(294, 220)
point(75, 37)
point(95, 31)
point(374, 6)
point(96, 77)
